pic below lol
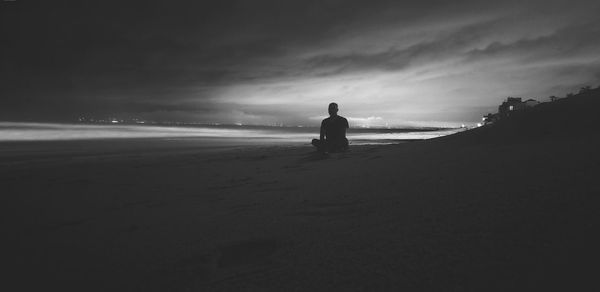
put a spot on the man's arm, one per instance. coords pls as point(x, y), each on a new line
point(322, 134)
point(346, 126)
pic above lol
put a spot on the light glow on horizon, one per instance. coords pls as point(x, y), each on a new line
point(63, 132)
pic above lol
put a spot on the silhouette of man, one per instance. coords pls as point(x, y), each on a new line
point(333, 132)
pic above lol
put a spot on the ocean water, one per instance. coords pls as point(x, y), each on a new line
point(23, 132)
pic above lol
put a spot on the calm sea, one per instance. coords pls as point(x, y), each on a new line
point(22, 132)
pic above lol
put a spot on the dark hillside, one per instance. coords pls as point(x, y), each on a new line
point(535, 174)
point(576, 117)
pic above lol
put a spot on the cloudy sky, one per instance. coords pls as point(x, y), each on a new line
point(263, 62)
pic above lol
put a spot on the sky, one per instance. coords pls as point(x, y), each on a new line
point(386, 63)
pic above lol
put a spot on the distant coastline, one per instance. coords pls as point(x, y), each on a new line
point(20, 131)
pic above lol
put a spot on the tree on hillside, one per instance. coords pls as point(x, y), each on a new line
point(585, 89)
point(553, 98)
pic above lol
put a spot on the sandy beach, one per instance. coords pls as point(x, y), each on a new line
point(462, 212)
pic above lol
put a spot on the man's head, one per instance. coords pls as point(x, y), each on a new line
point(333, 109)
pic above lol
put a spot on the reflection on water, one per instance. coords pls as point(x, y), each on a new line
point(50, 132)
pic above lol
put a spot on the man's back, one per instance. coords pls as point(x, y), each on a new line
point(334, 128)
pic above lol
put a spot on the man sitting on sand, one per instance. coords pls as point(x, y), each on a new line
point(333, 132)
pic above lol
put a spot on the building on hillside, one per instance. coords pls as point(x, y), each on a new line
point(511, 104)
point(490, 118)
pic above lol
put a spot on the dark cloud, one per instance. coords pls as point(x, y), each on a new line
point(571, 40)
point(447, 44)
point(59, 58)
